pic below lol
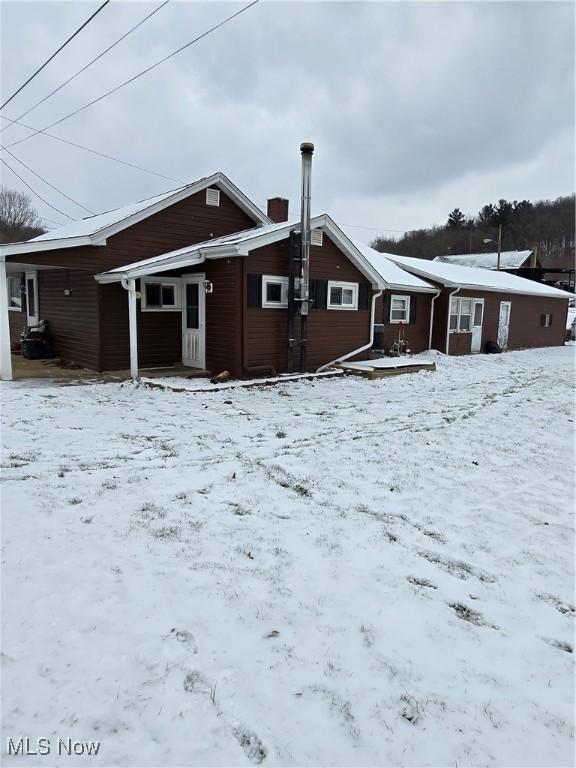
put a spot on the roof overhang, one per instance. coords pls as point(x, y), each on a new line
point(203, 251)
point(483, 288)
point(99, 237)
point(17, 249)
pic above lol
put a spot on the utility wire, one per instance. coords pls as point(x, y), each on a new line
point(93, 151)
point(140, 74)
point(88, 20)
point(86, 66)
point(47, 182)
point(34, 191)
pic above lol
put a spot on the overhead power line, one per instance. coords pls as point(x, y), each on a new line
point(93, 151)
point(47, 182)
point(80, 28)
point(34, 191)
point(86, 66)
point(140, 74)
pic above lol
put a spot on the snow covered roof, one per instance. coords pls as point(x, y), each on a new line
point(508, 259)
point(472, 277)
point(394, 275)
point(381, 272)
point(93, 230)
point(240, 244)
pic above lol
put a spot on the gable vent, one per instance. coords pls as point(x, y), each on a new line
point(316, 237)
point(212, 196)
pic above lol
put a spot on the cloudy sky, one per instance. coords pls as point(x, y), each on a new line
point(414, 107)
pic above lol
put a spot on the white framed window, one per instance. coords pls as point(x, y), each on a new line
point(160, 295)
point(342, 295)
point(546, 320)
point(15, 293)
point(400, 309)
point(316, 237)
point(212, 196)
point(274, 291)
point(460, 315)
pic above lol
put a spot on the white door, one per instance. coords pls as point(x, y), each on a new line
point(477, 318)
point(504, 324)
point(33, 316)
point(193, 322)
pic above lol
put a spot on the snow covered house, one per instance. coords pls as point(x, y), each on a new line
point(197, 276)
point(201, 277)
point(476, 306)
point(510, 261)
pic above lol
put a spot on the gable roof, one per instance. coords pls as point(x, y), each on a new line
point(508, 259)
point(380, 272)
point(454, 275)
point(93, 230)
point(394, 275)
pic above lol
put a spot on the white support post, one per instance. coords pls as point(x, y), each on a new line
point(5, 356)
point(130, 286)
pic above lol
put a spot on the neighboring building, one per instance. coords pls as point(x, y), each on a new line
point(510, 261)
point(476, 306)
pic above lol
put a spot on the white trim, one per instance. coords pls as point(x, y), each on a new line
point(460, 314)
point(173, 282)
point(35, 318)
point(277, 280)
point(198, 279)
point(18, 277)
point(431, 328)
point(407, 300)
point(476, 329)
point(345, 286)
point(130, 287)
point(31, 246)
point(5, 354)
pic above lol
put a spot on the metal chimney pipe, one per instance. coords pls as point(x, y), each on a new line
point(307, 149)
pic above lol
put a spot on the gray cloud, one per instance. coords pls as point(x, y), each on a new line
point(414, 107)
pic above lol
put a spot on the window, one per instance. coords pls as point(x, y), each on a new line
point(212, 196)
point(460, 314)
point(274, 291)
point(400, 309)
point(342, 295)
point(546, 320)
point(316, 237)
point(15, 293)
point(158, 295)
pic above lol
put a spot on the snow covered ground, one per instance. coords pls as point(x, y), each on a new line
point(333, 572)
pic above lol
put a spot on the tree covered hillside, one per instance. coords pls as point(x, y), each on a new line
point(547, 225)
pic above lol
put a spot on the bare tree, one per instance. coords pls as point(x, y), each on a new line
point(18, 217)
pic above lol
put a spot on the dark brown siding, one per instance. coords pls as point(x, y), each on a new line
point(160, 333)
point(73, 319)
point(16, 321)
point(416, 333)
point(185, 223)
point(331, 333)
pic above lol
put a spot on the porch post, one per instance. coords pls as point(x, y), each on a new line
point(130, 286)
point(5, 356)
